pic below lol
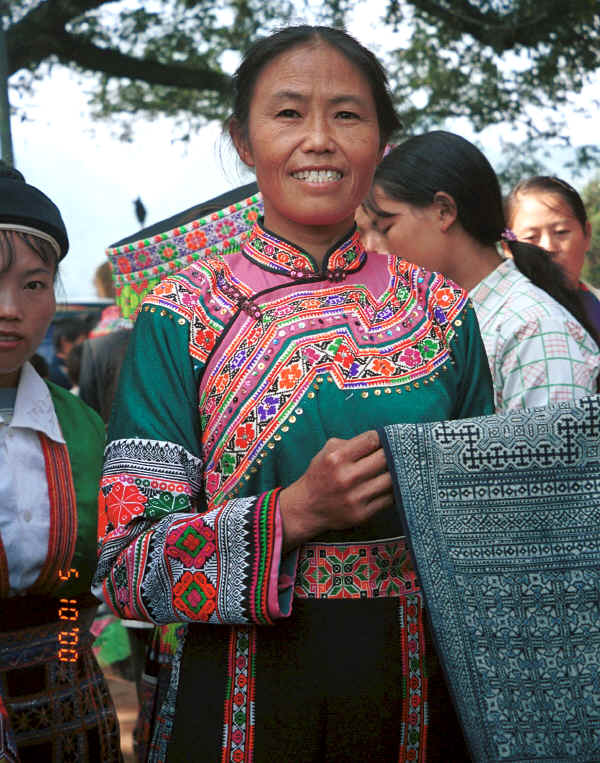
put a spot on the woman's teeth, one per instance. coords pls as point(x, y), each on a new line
point(317, 176)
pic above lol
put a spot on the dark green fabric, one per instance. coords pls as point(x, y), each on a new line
point(169, 411)
point(165, 411)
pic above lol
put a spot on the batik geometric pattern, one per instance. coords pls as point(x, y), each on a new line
point(503, 515)
point(354, 571)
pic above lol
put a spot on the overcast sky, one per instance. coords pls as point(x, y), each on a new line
point(94, 178)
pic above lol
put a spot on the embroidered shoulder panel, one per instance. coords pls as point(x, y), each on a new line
point(265, 368)
point(205, 296)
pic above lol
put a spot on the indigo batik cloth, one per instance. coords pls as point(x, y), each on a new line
point(239, 370)
point(503, 518)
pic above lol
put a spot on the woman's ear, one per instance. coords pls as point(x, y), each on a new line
point(241, 143)
point(446, 210)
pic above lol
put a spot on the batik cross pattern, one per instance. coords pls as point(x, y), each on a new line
point(504, 519)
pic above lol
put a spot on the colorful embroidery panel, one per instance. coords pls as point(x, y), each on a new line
point(239, 698)
point(355, 571)
point(140, 266)
point(261, 368)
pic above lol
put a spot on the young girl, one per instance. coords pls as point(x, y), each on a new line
point(54, 703)
point(436, 201)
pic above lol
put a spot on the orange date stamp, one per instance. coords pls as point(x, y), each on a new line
point(68, 613)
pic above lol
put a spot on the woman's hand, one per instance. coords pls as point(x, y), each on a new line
point(345, 484)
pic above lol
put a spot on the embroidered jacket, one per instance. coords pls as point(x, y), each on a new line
point(239, 370)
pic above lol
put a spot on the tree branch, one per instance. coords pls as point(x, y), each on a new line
point(501, 32)
point(28, 40)
point(41, 34)
point(71, 49)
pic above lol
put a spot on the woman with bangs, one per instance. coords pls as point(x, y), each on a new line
point(54, 702)
point(548, 212)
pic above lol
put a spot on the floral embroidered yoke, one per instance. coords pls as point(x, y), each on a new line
point(239, 370)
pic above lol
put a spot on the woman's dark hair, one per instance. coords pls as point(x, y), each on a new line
point(69, 328)
point(40, 246)
point(424, 165)
point(547, 184)
point(263, 51)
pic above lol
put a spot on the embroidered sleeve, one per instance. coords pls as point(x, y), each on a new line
point(164, 556)
point(543, 361)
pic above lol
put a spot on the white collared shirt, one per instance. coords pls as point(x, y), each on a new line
point(24, 502)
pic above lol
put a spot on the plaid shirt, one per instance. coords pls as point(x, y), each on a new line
point(538, 353)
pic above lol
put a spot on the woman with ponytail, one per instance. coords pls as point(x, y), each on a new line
point(436, 201)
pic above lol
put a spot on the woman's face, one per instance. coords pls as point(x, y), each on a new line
point(547, 220)
point(313, 139)
point(407, 231)
point(27, 305)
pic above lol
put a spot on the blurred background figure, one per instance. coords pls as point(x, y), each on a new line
point(101, 361)
point(437, 201)
point(111, 318)
point(74, 366)
point(550, 213)
point(67, 332)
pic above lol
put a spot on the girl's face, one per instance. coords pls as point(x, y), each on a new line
point(313, 139)
point(405, 230)
point(27, 305)
point(547, 220)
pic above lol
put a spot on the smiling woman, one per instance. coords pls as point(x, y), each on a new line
point(50, 458)
point(245, 494)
